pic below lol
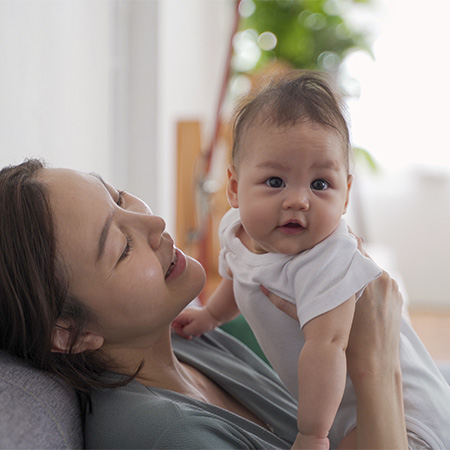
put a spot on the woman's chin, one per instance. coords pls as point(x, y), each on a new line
point(198, 275)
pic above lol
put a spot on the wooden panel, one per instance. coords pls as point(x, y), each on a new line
point(200, 240)
point(188, 152)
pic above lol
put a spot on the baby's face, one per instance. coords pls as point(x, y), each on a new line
point(292, 186)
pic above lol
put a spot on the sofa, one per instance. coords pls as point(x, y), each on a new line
point(38, 411)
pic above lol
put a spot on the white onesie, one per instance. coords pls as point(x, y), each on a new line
point(317, 281)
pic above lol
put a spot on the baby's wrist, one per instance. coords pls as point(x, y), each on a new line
point(308, 441)
point(216, 320)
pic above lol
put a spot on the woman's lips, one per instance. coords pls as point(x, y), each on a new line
point(178, 265)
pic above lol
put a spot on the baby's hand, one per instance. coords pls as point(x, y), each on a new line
point(194, 321)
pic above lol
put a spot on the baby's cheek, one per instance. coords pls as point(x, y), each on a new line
point(256, 227)
point(259, 215)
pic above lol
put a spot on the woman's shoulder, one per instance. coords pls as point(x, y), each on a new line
point(135, 416)
point(221, 352)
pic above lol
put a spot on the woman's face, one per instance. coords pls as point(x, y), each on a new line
point(121, 264)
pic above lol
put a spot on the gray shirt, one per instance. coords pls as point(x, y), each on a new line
point(138, 416)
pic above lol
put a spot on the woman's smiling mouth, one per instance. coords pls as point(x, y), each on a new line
point(177, 266)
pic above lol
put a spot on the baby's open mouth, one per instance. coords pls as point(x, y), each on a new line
point(292, 228)
point(292, 225)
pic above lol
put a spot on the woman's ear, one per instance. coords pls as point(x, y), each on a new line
point(349, 186)
point(232, 186)
point(62, 339)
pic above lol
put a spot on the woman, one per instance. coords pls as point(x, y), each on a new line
point(90, 284)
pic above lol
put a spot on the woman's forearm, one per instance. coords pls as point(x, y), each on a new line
point(373, 362)
point(380, 414)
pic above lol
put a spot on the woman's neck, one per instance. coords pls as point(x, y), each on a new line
point(153, 354)
point(162, 369)
point(159, 365)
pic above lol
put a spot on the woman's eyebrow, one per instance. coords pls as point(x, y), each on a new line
point(99, 178)
point(103, 236)
point(106, 226)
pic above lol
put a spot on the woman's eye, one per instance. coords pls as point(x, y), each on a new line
point(120, 195)
point(319, 185)
point(127, 249)
point(275, 182)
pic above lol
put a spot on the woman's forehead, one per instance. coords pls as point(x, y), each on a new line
point(66, 185)
point(54, 177)
point(78, 202)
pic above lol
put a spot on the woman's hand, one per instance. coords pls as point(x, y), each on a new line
point(376, 325)
point(375, 332)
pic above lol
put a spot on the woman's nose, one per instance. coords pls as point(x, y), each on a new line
point(153, 227)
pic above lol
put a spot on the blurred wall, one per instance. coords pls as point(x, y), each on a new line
point(194, 37)
point(100, 85)
point(401, 117)
point(78, 88)
point(408, 211)
point(55, 82)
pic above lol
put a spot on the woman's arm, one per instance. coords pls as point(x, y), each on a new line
point(373, 364)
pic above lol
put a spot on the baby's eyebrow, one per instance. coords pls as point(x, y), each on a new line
point(330, 164)
point(271, 165)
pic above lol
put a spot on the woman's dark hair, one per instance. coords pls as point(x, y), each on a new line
point(300, 96)
point(34, 284)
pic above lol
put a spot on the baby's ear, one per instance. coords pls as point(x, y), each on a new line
point(232, 186)
point(349, 186)
point(62, 339)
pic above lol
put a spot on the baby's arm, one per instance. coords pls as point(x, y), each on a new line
point(220, 308)
point(322, 374)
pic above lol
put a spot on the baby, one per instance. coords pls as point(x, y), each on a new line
point(289, 185)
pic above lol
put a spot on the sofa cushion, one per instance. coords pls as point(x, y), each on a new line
point(37, 410)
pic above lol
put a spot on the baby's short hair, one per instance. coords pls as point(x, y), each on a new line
point(301, 96)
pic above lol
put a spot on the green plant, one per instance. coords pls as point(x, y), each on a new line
point(305, 34)
point(310, 34)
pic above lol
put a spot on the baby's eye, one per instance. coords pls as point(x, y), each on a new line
point(275, 182)
point(320, 185)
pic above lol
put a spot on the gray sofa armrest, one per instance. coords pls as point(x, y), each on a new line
point(37, 410)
